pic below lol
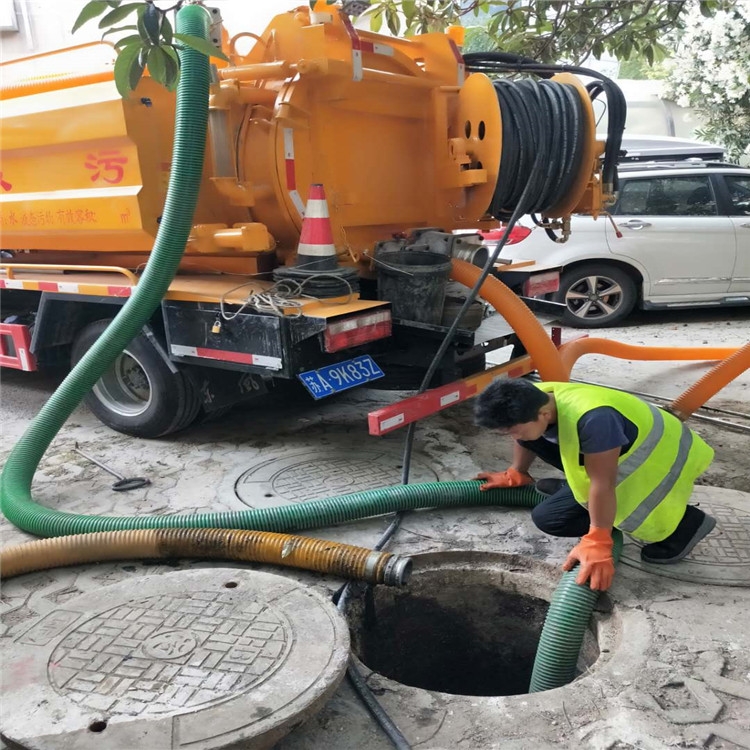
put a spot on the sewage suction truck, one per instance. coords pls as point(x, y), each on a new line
point(339, 166)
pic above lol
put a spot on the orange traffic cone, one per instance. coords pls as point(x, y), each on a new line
point(316, 269)
point(316, 251)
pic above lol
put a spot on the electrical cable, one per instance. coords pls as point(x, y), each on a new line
point(541, 126)
point(361, 687)
point(285, 295)
point(358, 682)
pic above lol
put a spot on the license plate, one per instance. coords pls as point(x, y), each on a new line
point(341, 376)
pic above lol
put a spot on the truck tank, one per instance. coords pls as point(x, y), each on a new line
point(396, 131)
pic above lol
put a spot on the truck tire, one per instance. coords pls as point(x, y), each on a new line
point(139, 394)
point(596, 295)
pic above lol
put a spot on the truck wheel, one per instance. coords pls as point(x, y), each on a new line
point(596, 296)
point(139, 394)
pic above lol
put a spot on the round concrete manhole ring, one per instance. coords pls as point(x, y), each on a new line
point(325, 472)
point(200, 659)
point(723, 557)
point(467, 624)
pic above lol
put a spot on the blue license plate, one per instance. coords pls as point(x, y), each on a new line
point(340, 377)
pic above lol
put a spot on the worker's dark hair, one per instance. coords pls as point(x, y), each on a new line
point(508, 402)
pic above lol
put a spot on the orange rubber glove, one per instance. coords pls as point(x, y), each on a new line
point(509, 478)
point(594, 552)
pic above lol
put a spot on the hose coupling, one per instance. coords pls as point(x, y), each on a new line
point(386, 568)
point(397, 571)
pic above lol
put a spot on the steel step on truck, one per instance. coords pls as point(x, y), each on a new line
point(392, 143)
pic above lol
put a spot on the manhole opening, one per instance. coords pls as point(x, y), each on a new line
point(453, 631)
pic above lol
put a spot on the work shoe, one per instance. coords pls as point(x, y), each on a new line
point(694, 526)
point(549, 486)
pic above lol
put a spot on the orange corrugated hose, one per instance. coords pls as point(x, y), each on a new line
point(53, 83)
point(320, 555)
point(538, 344)
point(711, 383)
point(571, 351)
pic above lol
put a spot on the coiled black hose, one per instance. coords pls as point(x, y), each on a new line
point(557, 108)
point(539, 117)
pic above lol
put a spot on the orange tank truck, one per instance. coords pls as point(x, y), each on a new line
point(405, 143)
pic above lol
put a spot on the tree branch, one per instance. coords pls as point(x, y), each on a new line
point(552, 34)
point(655, 27)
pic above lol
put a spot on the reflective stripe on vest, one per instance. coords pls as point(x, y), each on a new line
point(643, 451)
point(638, 456)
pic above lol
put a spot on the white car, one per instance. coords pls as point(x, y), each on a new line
point(679, 237)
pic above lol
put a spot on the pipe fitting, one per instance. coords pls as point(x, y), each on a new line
point(397, 571)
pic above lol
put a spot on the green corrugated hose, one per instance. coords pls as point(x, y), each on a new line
point(30, 516)
point(15, 484)
point(191, 119)
point(562, 635)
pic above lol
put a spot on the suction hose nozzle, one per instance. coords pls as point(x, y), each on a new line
point(288, 550)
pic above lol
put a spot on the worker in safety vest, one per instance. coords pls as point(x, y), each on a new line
point(627, 465)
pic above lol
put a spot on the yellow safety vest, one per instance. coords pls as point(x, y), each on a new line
point(654, 477)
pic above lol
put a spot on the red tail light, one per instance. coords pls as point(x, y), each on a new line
point(517, 234)
point(541, 283)
point(356, 330)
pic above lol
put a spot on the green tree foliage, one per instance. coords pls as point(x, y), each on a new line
point(148, 42)
point(545, 30)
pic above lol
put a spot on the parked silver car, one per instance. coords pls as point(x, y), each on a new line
point(679, 237)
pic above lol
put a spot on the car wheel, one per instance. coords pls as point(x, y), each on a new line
point(138, 394)
point(596, 295)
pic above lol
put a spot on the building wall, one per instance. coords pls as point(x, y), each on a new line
point(44, 25)
point(649, 112)
point(41, 26)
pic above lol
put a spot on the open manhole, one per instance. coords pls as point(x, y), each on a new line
point(467, 624)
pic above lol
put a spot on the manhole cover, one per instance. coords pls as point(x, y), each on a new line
point(186, 651)
point(317, 474)
point(723, 557)
point(238, 656)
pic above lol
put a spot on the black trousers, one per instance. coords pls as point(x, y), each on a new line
point(560, 514)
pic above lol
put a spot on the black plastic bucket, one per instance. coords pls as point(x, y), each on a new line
point(413, 281)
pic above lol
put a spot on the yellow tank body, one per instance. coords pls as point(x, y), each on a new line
point(397, 133)
point(86, 171)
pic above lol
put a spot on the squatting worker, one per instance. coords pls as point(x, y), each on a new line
point(627, 464)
